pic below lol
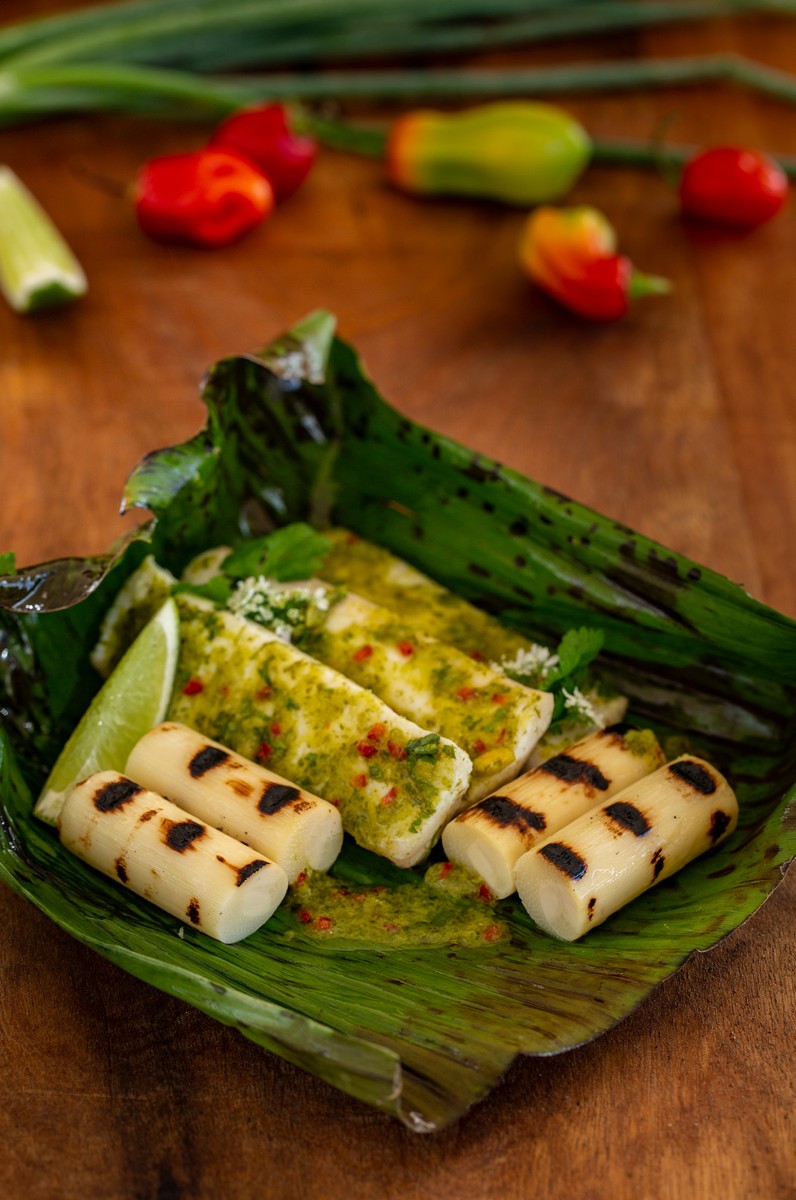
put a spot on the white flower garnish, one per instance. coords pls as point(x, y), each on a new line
point(581, 706)
point(536, 660)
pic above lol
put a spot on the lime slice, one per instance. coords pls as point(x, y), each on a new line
point(134, 698)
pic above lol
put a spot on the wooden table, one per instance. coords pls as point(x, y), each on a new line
point(680, 421)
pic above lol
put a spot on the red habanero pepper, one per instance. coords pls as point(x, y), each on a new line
point(206, 198)
point(733, 187)
point(570, 253)
point(264, 135)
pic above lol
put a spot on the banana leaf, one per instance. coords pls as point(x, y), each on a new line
point(298, 431)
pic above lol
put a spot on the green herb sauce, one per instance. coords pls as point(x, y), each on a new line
point(411, 915)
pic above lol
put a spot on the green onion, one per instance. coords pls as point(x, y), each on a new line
point(37, 268)
point(39, 91)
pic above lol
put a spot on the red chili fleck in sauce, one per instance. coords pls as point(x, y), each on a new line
point(406, 648)
point(323, 923)
point(388, 797)
point(335, 801)
point(359, 781)
point(366, 749)
point(263, 752)
point(362, 653)
point(479, 746)
point(224, 690)
point(498, 698)
point(301, 878)
point(304, 916)
point(466, 693)
point(445, 870)
point(477, 655)
point(351, 538)
point(193, 687)
point(263, 693)
point(501, 737)
point(376, 733)
point(491, 933)
point(484, 893)
point(396, 751)
point(276, 729)
point(391, 927)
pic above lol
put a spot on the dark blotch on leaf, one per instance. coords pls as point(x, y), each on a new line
point(480, 572)
point(695, 775)
point(694, 574)
point(628, 550)
point(566, 860)
point(519, 527)
point(115, 795)
point(628, 817)
point(275, 797)
point(205, 759)
point(666, 567)
point(181, 835)
point(722, 871)
point(574, 770)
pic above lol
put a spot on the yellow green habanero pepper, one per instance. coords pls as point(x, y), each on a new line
point(517, 152)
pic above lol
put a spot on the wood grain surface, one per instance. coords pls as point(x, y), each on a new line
point(680, 421)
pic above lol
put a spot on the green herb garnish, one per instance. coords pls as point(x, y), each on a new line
point(295, 552)
point(422, 749)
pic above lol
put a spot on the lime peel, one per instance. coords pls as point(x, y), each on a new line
point(135, 697)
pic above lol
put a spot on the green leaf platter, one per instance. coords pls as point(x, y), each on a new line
point(298, 432)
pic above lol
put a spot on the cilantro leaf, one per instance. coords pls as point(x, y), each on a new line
point(294, 552)
point(577, 648)
point(217, 589)
point(8, 563)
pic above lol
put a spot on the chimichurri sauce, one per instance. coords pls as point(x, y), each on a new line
point(449, 907)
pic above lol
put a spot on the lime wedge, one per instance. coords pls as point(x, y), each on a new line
point(134, 698)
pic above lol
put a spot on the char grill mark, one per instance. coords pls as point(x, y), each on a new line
point(627, 816)
point(205, 759)
point(566, 860)
point(193, 911)
point(276, 796)
point(658, 863)
point(507, 812)
point(250, 869)
point(695, 775)
point(116, 794)
point(718, 825)
point(181, 835)
point(575, 770)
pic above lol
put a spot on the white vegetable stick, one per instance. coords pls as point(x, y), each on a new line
point(160, 852)
point(285, 823)
point(592, 867)
point(490, 837)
